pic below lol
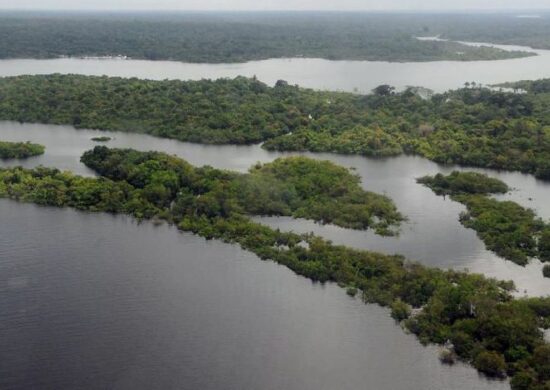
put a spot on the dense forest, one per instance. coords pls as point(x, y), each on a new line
point(230, 37)
point(510, 230)
point(472, 126)
point(295, 186)
point(476, 317)
point(20, 149)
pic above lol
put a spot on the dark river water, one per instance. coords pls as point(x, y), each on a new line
point(95, 301)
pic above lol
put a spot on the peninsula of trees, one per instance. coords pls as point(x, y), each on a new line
point(501, 336)
point(508, 229)
point(472, 126)
point(10, 150)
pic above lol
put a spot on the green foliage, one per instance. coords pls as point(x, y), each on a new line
point(523, 380)
point(490, 363)
point(294, 186)
point(546, 271)
point(472, 126)
point(486, 325)
point(351, 291)
point(223, 111)
point(544, 245)
point(20, 149)
point(463, 183)
point(316, 190)
point(400, 310)
point(508, 229)
point(447, 357)
point(231, 37)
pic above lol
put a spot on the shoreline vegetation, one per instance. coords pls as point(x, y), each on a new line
point(476, 317)
point(508, 229)
point(12, 150)
point(233, 38)
point(472, 126)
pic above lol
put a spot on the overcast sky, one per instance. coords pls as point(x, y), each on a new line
point(275, 4)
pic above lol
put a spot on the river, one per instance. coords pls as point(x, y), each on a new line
point(432, 234)
point(351, 76)
point(98, 301)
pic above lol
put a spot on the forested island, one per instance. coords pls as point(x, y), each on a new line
point(477, 317)
point(20, 149)
point(473, 126)
point(231, 37)
point(510, 230)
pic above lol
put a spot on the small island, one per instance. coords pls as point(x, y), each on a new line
point(101, 139)
point(10, 150)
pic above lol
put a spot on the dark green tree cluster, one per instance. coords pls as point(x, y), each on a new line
point(463, 183)
point(293, 186)
point(20, 149)
point(487, 327)
point(232, 37)
point(222, 111)
point(316, 190)
point(472, 126)
point(506, 228)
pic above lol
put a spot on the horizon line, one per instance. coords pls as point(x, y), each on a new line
point(373, 10)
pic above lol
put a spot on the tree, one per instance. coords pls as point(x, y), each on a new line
point(384, 90)
point(400, 310)
point(491, 363)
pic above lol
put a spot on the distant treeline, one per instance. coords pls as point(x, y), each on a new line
point(20, 149)
point(231, 37)
point(471, 126)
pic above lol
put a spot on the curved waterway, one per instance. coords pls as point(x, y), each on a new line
point(351, 76)
point(432, 234)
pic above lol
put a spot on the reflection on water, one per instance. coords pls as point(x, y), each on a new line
point(432, 235)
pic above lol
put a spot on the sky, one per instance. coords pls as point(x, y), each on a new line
point(366, 5)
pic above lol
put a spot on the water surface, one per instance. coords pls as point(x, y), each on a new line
point(93, 301)
point(351, 76)
point(432, 234)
